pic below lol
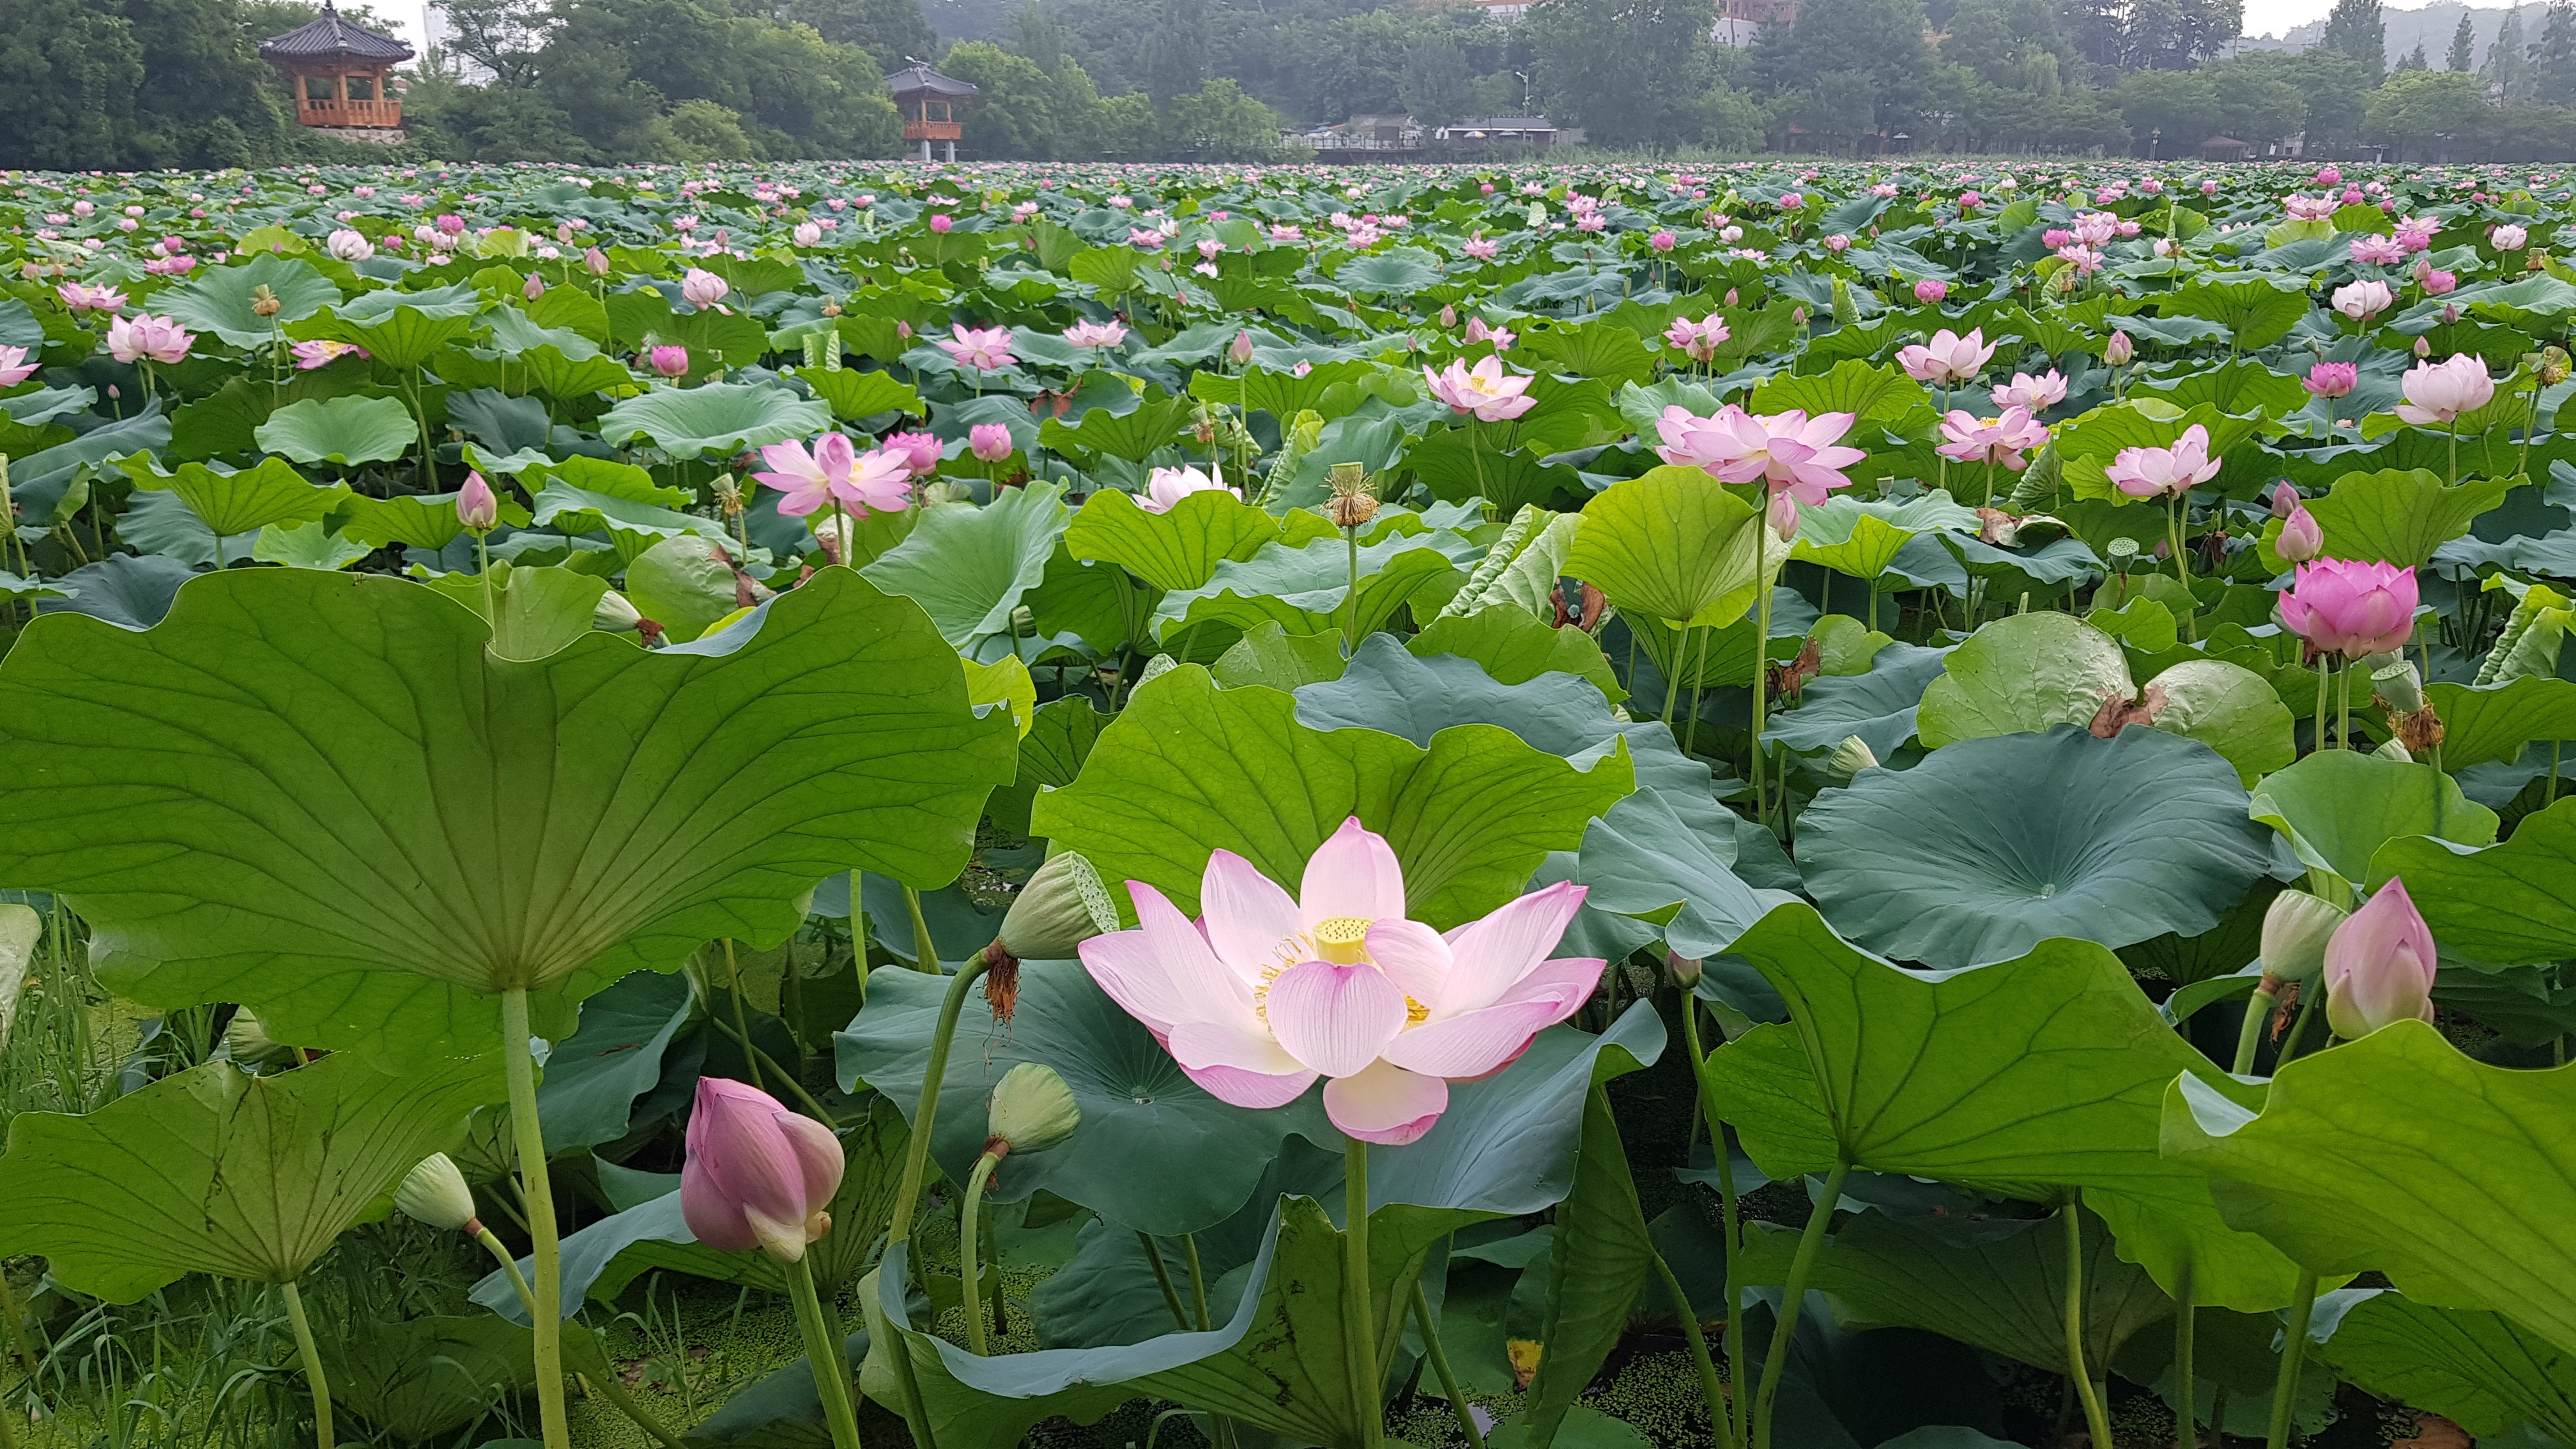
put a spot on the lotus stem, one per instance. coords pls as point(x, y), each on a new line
point(2250, 1035)
point(2343, 727)
point(538, 1194)
point(2320, 742)
point(483, 571)
point(1761, 670)
point(822, 1355)
point(509, 1265)
point(2285, 1389)
point(2094, 1417)
point(1740, 1427)
point(970, 1248)
point(10, 1307)
point(605, 1384)
point(1690, 731)
point(1438, 1353)
point(1720, 1421)
point(741, 1027)
point(1163, 1280)
point(2186, 1318)
point(917, 1153)
point(1358, 1327)
point(1198, 1280)
point(925, 955)
point(1793, 1296)
point(1351, 596)
point(312, 1356)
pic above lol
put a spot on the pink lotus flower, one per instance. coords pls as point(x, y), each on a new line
point(2165, 472)
point(1991, 440)
point(146, 337)
point(1493, 395)
point(1949, 358)
point(1794, 453)
point(2415, 233)
point(835, 471)
point(1501, 337)
point(2364, 299)
point(1698, 339)
point(920, 452)
point(807, 234)
point(1165, 487)
point(1931, 291)
point(1662, 241)
point(2377, 250)
point(701, 288)
point(2118, 351)
point(2032, 394)
point(2331, 379)
point(594, 261)
point(2301, 538)
point(942, 222)
point(990, 442)
point(758, 1175)
point(2435, 281)
point(1479, 248)
point(669, 360)
point(984, 349)
point(1782, 516)
point(2510, 238)
point(476, 508)
point(178, 265)
point(2438, 392)
point(322, 352)
point(2351, 608)
point(14, 366)
point(2379, 965)
point(1267, 992)
point(1088, 333)
point(81, 297)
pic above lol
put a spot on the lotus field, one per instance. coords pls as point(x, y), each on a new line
point(1761, 808)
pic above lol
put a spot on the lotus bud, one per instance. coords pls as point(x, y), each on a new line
point(2119, 349)
point(434, 1192)
point(248, 1040)
point(1449, 316)
point(614, 614)
point(595, 262)
point(476, 508)
point(1032, 1110)
point(535, 288)
point(758, 1175)
point(2295, 930)
point(1240, 352)
point(2302, 539)
point(1782, 516)
point(1730, 299)
point(670, 361)
point(1849, 758)
point(2423, 347)
point(2379, 966)
point(1685, 970)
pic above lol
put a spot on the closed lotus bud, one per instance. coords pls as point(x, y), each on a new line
point(594, 261)
point(757, 1175)
point(2296, 928)
point(1685, 969)
point(1449, 316)
point(1032, 1110)
point(1782, 516)
point(2423, 347)
point(434, 1192)
point(2379, 966)
point(1850, 757)
point(476, 508)
point(1240, 352)
point(614, 614)
point(248, 1041)
point(2302, 539)
point(2119, 350)
point(535, 288)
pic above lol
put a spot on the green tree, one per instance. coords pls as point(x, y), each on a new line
point(1219, 122)
point(2415, 59)
point(1998, 39)
point(2425, 110)
point(890, 31)
point(1625, 70)
point(68, 77)
point(2508, 68)
point(2354, 27)
point(2256, 106)
point(2177, 107)
point(2463, 55)
point(1435, 83)
point(1035, 35)
point(1881, 39)
point(2553, 57)
point(1015, 102)
point(1178, 61)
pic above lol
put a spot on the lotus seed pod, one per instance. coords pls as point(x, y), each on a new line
point(2397, 684)
point(1064, 904)
point(2295, 930)
point(434, 1192)
point(1033, 1109)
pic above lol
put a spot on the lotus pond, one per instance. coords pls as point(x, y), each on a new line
point(1754, 807)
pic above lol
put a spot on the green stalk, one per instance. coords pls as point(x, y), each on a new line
point(483, 569)
point(2250, 1036)
point(1198, 1280)
point(741, 1028)
point(1761, 664)
point(2186, 1316)
point(2343, 707)
point(2094, 1418)
point(539, 1196)
point(2320, 742)
point(607, 1385)
point(1163, 1280)
point(2285, 1389)
point(509, 1265)
point(917, 1154)
point(10, 1308)
point(1672, 671)
point(1358, 1329)
point(970, 1248)
point(312, 1356)
point(1351, 598)
point(1720, 1420)
point(1739, 1429)
point(1439, 1356)
point(1690, 731)
point(925, 954)
point(1793, 1297)
point(822, 1355)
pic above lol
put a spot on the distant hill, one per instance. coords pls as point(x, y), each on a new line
point(2431, 25)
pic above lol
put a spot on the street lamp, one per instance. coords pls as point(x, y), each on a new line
point(1525, 90)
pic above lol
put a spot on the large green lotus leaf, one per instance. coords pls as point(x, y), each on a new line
point(2258, 310)
point(2480, 1370)
point(1879, 706)
point(325, 799)
point(419, 1378)
point(2489, 722)
point(219, 300)
point(1599, 1259)
point(632, 526)
point(422, 520)
point(613, 1057)
point(1177, 549)
point(2400, 515)
point(1876, 394)
point(1861, 537)
point(1506, 1147)
point(1999, 1286)
point(2512, 904)
point(1188, 767)
point(1673, 546)
point(2227, 707)
point(1305, 589)
point(685, 583)
point(853, 395)
point(1270, 656)
point(540, 609)
point(2336, 808)
point(2023, 1078)
point(1101, 434)
point(2398, 1153)
point(715, 417)
point(2021, 674)
point(1404, 271)
point(216, 1171)
point(969, 566)
point(1154, 1150)
point(400, 336)
point(230, 504)
point(346, 430)
point(1515, 646)
point(1988, 847)
point(307, 546)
